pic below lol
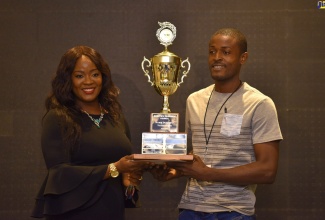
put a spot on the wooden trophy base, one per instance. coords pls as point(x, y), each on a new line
point(161, 158)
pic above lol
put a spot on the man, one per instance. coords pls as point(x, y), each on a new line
point(235, 137)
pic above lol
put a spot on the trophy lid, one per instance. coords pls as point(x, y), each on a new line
point(166, 56)
point(166, 53)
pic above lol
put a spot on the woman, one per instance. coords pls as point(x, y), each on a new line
point(85, 143)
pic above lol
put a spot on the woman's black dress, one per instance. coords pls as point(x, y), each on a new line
point(74, 187)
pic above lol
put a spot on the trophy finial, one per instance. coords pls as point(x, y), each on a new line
point(166, 34)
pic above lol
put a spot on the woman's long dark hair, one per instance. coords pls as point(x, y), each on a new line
point(62, 99)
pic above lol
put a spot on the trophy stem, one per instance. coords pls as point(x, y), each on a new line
point(165, 105)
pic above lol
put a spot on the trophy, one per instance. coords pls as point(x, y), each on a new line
point(164, 141)
point(165, 66)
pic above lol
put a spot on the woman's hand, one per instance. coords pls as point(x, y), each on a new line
point(133, 179)
point(128, 165)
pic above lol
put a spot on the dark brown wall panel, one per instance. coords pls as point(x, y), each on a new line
point(286, 61)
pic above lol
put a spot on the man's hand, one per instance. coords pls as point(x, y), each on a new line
point(164, 173)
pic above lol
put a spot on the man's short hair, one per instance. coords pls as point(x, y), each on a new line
point(242, 42)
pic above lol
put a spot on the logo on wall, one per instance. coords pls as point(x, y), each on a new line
point(321, 4)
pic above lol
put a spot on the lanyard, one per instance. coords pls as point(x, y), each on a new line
point(215, 119)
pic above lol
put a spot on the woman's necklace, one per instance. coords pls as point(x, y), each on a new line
point(215, 119)
point(96, 121)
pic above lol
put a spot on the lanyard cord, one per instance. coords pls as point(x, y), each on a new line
point(215, 119)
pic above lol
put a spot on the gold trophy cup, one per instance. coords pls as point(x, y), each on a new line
point(165, 66)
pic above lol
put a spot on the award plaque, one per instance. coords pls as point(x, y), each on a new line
point(160, 122)
point(164, 142)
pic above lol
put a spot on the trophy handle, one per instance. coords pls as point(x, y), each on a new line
point(146, 72)
point(185, 71)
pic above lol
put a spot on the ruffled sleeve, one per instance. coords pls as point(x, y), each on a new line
point(70, 187)
point(67, 187)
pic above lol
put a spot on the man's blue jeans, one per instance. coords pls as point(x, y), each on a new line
point(186, 214)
